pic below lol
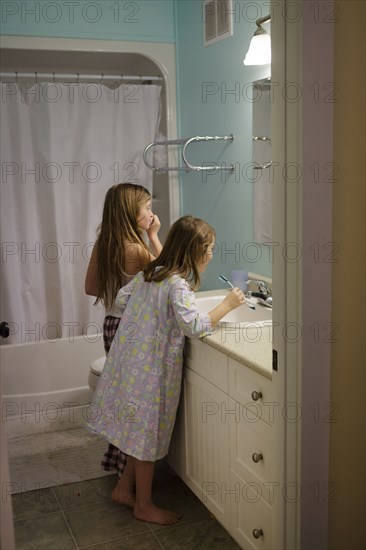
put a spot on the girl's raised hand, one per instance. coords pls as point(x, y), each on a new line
point(152, 234)
point(234, 299)
point(154, 227)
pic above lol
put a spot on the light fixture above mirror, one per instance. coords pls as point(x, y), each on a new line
point(259, 52)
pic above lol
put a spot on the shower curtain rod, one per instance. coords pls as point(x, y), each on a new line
point(77, 76)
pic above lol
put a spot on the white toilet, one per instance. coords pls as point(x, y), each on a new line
point(95, 371)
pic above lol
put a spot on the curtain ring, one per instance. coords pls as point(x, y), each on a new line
point(54, 78)
point(36, 77)
point(78, 79)
point(101, 80)
point(16, 77)
point(121, 78)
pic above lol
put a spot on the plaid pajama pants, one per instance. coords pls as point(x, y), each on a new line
point(113, 458)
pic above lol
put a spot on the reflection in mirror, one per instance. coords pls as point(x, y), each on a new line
point(262, 155)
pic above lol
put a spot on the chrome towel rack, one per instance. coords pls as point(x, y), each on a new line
point(267, 164)
point(187, 165)
point(162, 143)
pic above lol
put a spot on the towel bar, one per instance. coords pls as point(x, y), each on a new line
point(267, 164)
point(161, 143)
point(187, 165)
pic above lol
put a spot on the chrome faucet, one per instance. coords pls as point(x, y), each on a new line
point(263, 294)
point(261, 286)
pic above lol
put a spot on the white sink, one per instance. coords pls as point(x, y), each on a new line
point(243, 315)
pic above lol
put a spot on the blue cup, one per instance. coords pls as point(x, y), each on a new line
point(239, 278)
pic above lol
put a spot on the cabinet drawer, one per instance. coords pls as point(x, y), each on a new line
point(207, 362)
point(251, 452)
point(251, 517)
point(251, 390)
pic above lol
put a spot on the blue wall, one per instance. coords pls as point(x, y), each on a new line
point(141, 20)
point(214, 98)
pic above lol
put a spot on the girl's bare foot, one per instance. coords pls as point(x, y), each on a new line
point(154, 514)
point(124, 494)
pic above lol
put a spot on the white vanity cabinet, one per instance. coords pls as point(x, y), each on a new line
point(222, 442)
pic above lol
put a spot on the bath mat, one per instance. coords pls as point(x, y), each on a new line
point(52, 458)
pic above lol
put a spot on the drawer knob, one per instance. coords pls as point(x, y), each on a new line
point(257, 395)
point(257, 533)
point(257, 457)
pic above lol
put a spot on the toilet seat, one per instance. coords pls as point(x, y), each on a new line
point(97, 366)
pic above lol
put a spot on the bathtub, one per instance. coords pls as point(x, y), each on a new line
point(41, 382)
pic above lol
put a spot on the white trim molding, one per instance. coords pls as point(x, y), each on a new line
point(286, 196)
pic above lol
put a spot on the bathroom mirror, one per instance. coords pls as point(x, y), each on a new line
point(262, 155)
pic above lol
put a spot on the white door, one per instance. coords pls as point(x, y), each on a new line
point(7, 541)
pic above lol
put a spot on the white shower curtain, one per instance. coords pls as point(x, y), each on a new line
point(62, 147)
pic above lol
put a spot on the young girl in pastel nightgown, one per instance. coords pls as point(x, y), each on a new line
point(136, 400)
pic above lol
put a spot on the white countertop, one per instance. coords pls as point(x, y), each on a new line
point(250, 346)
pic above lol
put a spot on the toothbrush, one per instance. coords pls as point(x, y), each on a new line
point(223, 279)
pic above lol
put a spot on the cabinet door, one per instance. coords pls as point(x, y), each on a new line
point(206, 433)
point(208, 363)
point(176, 456)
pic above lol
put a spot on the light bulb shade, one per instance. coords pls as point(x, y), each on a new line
point(259, 52)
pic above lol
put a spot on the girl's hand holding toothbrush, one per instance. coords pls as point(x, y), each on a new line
point(234, 299)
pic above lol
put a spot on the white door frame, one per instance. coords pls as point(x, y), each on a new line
point(7, 535)
point(286, 147)
point(302, 73)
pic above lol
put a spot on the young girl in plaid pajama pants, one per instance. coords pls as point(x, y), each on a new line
point(118, 254)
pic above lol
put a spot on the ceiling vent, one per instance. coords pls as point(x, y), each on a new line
point(217, 20)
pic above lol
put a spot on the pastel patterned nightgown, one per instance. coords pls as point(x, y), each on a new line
point(136, 399)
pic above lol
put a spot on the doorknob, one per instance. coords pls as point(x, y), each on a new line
point(4, 329)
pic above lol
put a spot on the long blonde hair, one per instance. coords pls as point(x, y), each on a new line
point(186, 245)
point(122, 205)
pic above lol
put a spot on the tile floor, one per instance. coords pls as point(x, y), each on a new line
point(82, 516)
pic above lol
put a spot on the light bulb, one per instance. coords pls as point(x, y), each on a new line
point(259, 52)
